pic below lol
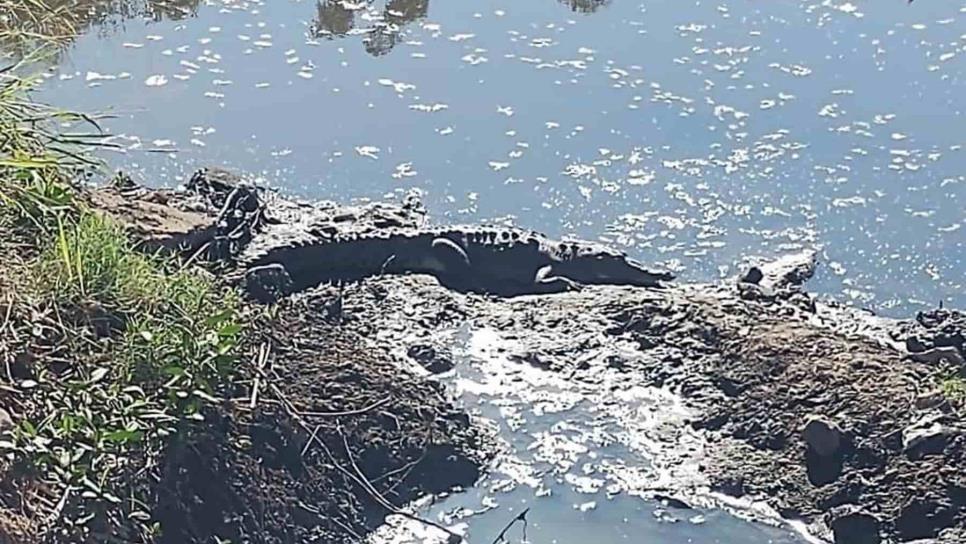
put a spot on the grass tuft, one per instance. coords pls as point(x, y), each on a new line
point(954, 389)
point(111, 356)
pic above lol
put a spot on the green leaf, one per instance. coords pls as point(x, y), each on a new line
point(123, 436)
point(28, 427)
point(28, 163)
point(219, 318)
point(230, 330)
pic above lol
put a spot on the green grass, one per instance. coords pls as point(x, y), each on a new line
point(954, 389)
point(125, 352)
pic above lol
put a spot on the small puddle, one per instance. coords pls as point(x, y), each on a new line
point(585, 460)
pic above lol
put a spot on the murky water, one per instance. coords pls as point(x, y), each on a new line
point(585, 460)
point(691, 133)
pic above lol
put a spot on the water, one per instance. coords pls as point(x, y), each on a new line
point(584, 459)
point(690, 133)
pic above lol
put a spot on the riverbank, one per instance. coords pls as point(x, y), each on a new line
point(314, 432)
point(795, 414)
point(826, 415)
point(142, 399)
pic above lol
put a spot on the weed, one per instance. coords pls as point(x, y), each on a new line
point(125, 350)
point(954, 389)
point(111, 414)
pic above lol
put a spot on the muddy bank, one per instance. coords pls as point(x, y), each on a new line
point(822, 414)
point(757, 375)
point(338, 435)
point(317, 434)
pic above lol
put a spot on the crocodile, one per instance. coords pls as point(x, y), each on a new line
point(494, 260)
point(321, 243)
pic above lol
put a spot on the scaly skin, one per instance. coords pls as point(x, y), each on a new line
point(501, 261)
point(323, 242)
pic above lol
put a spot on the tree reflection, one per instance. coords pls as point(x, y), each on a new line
point(336, 18)
point(332, 20)
point(585, 6)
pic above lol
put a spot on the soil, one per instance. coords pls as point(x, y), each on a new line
point(263, 475)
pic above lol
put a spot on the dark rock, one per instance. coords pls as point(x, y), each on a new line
point(822, 436)
point(938, 329)
point(616, 362)
point(924, 517)
point(824, 450)
point(851, 524)
point(915, 344)
point(672, 502)
point(750, 291)
point(430, 359)
point(754, 275)
point(268, 283)
point(823, 470)
point(733, 486)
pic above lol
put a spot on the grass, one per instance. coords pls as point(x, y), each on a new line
point(954, 389)
point(26, 25)
point(110, 356)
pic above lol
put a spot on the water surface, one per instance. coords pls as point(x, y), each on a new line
point(691, 133)
point(583, 460)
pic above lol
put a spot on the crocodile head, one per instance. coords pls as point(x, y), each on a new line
point(594, 264)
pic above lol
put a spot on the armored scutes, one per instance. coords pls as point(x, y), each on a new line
point(500, 261)
point(318, 243)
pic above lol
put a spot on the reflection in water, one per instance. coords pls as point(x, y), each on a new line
point(333, 20)
point(27, 25)
point(585, 6)
point(336, 19)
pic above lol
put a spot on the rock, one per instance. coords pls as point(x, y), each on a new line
point(430, 358)
point(937, 334)
point(924, 517)
point(672, 502)
point(6, 422)
point(751, 291)
point(940, 355)
point(791, 270)
point(267, 283)
point(915, 344)
point(851, 524)
point(152, 222)
point(822, 436)
point(928, 436)
point(753, 275)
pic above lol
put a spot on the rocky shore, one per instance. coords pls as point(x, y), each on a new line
point(822, 414)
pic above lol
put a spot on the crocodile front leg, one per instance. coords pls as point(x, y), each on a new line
point(546, 284)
